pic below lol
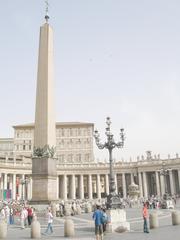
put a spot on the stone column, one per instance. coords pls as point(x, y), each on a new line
point(90, 186)
point(115, 180)
point(179, 178)
point(14, 187)
point(162, 185)
point(171, 182)
point(132, 178)
point(2, 182)
point(124, 185)
point(140, 184)
point(107, 184)
point(65, 187)
point(30, 188)
point(145, 185)
point(23, 188)
point(5, 181)
point(57, 187)
point(157, 183)
point(11, 183)
point(73, 187)
point(81, 187)
point(98, 183)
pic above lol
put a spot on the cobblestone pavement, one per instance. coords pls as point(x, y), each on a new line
point(84, 228)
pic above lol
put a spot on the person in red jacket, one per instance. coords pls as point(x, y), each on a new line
point(30, 215)
point(145, 217)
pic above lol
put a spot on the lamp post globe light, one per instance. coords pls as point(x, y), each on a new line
point(113, 200)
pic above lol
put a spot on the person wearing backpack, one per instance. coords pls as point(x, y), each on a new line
point(97, 216)
point(104, 219)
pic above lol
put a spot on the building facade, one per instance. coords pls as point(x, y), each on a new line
point(74, 142)
point(86, 178)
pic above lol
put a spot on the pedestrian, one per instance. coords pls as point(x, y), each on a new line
point(145, 217)
point(97, 216)
point(104, 219)
point(50, 221)
point(7, 213)
point(11, 217)
point(30, 215)
point(23, 217)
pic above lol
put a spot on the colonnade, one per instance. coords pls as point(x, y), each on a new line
point(15, 186)
point(80, 186)
point(97, 185)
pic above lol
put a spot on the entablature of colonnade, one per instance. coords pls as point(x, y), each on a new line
point(156, 165)
point(25, 164)
point(11, 165)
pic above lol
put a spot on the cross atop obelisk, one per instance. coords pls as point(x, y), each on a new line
point(47, 11)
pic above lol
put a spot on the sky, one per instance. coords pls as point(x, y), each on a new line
point(112, 58)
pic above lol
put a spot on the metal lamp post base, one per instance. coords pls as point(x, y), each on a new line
point(113, 201)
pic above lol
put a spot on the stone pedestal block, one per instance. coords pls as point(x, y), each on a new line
point(69, 228)
point(3, 230)
point(35, 230)
point(117, 218)
point(44, 179)
point(153, 220)
point(175, 218)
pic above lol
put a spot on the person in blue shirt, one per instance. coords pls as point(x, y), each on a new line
point(97, 216)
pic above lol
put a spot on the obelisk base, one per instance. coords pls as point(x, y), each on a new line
point(44, 180)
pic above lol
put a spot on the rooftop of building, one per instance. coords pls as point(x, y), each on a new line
point(64, 124)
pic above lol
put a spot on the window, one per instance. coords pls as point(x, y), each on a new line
point(24, 147)
point(61, 158)
point(70, 158)
point(79, 131)
point(71, 132)
point(78, 157)
point(87, 158)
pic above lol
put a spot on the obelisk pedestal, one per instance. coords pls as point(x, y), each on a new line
point(44, 180)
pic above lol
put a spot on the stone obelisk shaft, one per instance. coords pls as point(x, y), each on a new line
point(44, 173)
point(45, 114)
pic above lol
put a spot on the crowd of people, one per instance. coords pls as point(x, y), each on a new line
point(23, 213)
point(11, 210)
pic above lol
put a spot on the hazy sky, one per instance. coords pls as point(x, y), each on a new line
point(112, 58)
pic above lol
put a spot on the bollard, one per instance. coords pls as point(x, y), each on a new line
point(79, 210)
point(35, 229)
point(175, 218)
point(69, 228)
point(3, 230)
point(67, 210)
point(88, 208)
point(153, 220)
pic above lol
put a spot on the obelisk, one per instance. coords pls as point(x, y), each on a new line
point(44, 174)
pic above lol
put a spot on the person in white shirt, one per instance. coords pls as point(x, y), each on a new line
point(3, 215)
point(7, 213)
point(23, 216)
point(50, 221)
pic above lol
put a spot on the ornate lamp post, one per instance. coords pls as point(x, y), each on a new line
point(165, 172)
point(24, 182)
point(113, 200)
